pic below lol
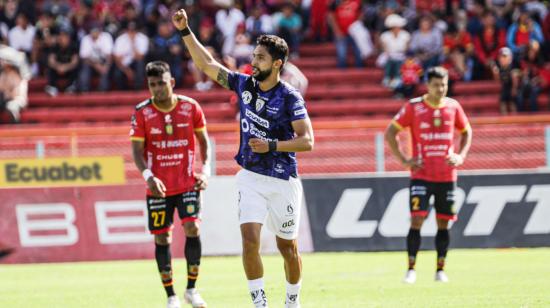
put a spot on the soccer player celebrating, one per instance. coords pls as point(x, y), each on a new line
point(432, 119)
point(163, 134)
point(274, 125)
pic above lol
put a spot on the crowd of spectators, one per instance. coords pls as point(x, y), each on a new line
point(474, 40)
point(83, 45)
point(103, 44)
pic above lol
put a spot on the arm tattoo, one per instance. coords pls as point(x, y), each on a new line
point(222, 78)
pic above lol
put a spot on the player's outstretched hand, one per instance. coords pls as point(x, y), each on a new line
point(454, 159)
point(258, 145)
point(156, 187)
point(413, 164)
point(179, 19)
point(202, 181)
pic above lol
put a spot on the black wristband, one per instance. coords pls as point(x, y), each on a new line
point(272, 146)
point(185, 31)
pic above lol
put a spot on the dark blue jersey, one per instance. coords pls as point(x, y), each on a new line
point(268, 116)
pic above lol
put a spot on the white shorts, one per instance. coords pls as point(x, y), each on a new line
point(262, 196)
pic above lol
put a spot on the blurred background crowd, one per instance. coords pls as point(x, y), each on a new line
point(101, 45)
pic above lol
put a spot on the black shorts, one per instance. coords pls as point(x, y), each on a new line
point(444, 198)
point(160, 211)
point(506, 94)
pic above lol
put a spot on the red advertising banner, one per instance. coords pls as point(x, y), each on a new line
point(77, 224)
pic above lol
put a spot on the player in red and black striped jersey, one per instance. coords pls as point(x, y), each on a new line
point(432, 120)
point(163, 133)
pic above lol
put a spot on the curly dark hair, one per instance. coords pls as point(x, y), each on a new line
point(156, 69)
point(276, 46)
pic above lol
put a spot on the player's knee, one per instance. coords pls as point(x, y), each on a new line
point(288, 249)
point(442, 224)
point(416, 222)
point(163, 238)
point(191, 229)
point(251, 243)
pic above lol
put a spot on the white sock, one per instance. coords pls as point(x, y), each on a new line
point(257, 292)
point(293, 293)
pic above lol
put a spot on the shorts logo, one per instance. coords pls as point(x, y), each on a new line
point(190, 209)
point(247, 97)
point(289, 209)
point(156, 201)
point(288, 224)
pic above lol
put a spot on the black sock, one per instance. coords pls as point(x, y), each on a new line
point(441, 245)
point(193, 257)
point(164, 263)
point(413, 245)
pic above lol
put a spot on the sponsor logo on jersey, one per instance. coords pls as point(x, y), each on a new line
point(272, 109)
point(169, 156)
point(185, 110)
point(279, 168)
point(179, 143)
point(436, 136)
point(299, 112)
point(149, 113)
point(257, 119)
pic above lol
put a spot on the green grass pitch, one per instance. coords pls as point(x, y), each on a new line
point(478, 278)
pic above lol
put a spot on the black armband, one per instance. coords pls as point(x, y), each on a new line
point(272, 146)
point(185, 31)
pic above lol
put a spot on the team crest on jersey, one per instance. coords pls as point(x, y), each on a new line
point(190, 209)
point(168, 127)
point(437, 119)
point(247, 97)
point(259, 104)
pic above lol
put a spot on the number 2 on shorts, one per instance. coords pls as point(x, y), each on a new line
point(415, 203)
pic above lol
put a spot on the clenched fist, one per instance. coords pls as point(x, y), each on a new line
point(179, 19)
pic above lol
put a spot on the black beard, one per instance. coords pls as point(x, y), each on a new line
point(262, 75)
